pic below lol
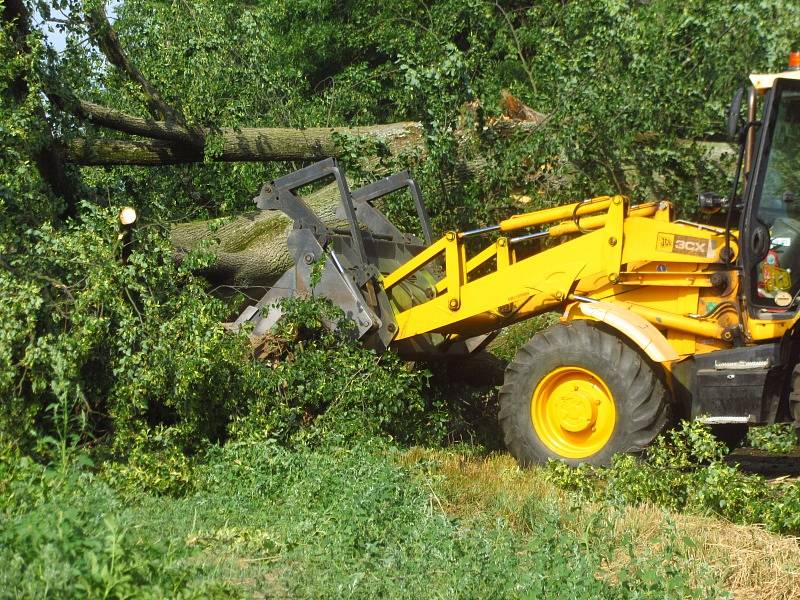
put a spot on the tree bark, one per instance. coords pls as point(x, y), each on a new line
point(48, 158)
point(250, 249)
point(240, 145)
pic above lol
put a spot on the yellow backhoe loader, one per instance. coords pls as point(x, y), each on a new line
point(661, 318)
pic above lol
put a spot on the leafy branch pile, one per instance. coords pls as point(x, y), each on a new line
point(780, 438)
point(133, 353)
point(684, 471)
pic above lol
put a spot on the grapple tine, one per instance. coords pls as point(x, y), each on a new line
point(352, 274)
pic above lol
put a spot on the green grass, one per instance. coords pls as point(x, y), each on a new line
point(66, 534)
point(328, 522)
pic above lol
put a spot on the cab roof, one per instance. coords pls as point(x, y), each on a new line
point(764, 81)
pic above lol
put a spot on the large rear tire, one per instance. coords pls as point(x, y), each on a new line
point(579, 394)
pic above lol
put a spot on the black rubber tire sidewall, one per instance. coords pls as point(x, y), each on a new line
point(640, 396)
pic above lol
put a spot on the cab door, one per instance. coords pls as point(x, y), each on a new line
point(770, 225)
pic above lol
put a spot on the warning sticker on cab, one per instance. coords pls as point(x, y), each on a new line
point(684, 244)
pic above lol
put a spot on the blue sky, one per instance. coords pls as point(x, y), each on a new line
point(55, 37)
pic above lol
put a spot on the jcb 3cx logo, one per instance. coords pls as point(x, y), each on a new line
point(682, 244)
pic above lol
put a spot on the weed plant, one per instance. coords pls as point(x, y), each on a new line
point(309, 522)
point(685, 471)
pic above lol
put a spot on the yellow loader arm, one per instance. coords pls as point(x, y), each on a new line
point(618, 251)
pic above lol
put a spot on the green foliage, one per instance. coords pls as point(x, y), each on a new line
point(309, 523)
point(96, 345)
point(24, 199)
point(65, 534)
point(684, 470)
point(324, 383)
point(780, 438)
point(154, 461)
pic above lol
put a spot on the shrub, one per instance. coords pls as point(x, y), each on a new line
point(154, 462)
point(780, 438)
point(684, 470)
point(97, 345)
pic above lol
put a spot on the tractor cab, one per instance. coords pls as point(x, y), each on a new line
point(769, 213)
point(770, 219)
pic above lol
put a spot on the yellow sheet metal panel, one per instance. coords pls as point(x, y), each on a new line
point(670, 242)
point(454, 270)
point(633, 327)
point(614, 238)
point(660, 318)
point(667, 279)
point(686, 302)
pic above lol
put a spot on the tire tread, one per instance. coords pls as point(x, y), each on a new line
point(644, 397)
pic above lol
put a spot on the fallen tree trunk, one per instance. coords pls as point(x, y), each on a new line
point(237, 145)
point(250, 249)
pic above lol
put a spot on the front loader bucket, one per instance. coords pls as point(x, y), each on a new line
point(350, 263)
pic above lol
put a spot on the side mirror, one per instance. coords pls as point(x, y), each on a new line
point(711, 203)
point(734, 110)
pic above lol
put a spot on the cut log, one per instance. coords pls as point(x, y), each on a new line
point(238, 145)
point(250, 249)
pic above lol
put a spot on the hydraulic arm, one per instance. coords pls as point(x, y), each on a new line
point(660, 318)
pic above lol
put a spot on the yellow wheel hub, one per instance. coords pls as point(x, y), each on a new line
point(573, 412)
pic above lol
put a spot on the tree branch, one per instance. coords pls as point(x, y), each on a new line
point(48, 159)
point(106, 39)
point(248, 144)
point(120, 121)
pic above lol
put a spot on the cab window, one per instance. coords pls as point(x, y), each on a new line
point(778, 274)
